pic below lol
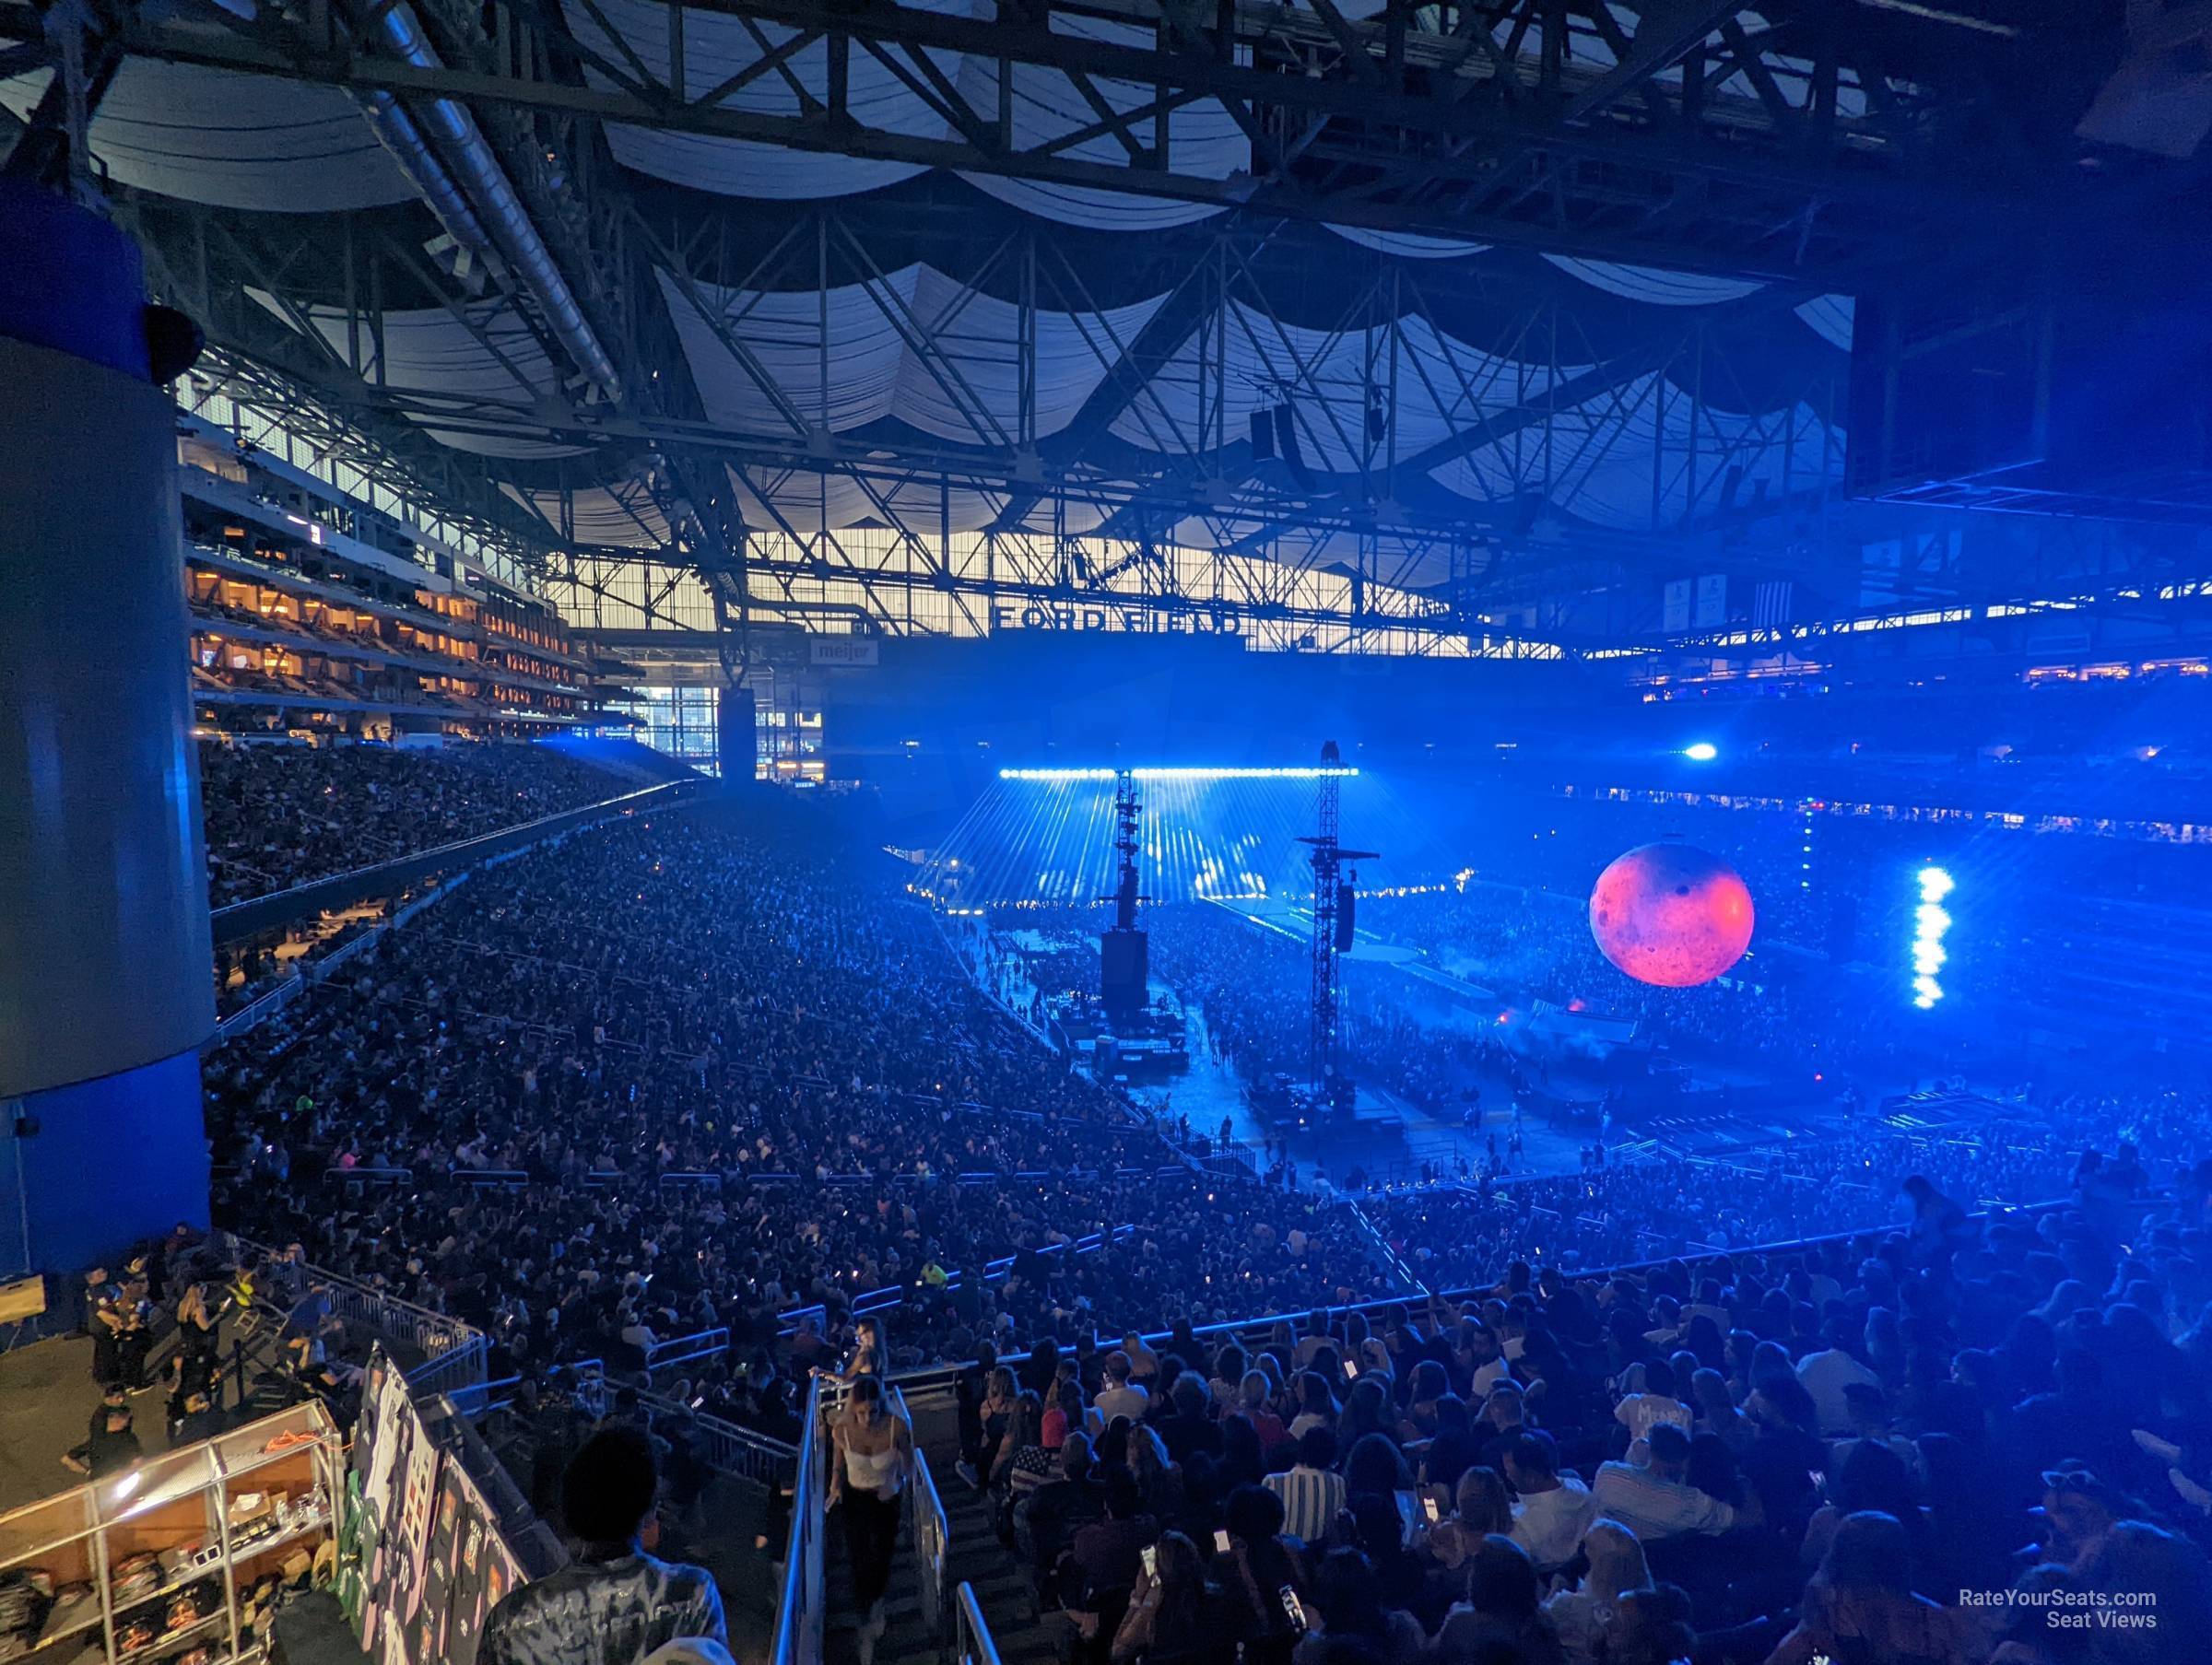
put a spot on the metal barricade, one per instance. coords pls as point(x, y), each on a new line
point(729, 1447)
point(932, 1546)
point(460, 1366)
point(453, 1355)
point(799, 1610)
point(686, 1349)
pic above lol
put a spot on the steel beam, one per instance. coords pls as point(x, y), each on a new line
point(1413, 119)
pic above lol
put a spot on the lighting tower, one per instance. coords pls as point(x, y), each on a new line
point(1333, 906)
point(1124, 958)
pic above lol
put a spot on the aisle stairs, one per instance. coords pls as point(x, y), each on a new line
point(922, 1623)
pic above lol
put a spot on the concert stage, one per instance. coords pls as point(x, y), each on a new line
point(1287, 919)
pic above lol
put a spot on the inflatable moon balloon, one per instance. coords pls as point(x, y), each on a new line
point(1671, 915)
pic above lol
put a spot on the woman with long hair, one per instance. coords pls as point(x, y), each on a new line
point(1063, 1412)
point(1872, 1478)
point(1317, 1403)
point(1157, 1475)
point(1228, 1378)
point(872, 1457)
point(1617, 1568)
point(1861, 1605)
point(1482, 1505)
point(1254, 1572)
point(868, 1353)
point(1367, 1410)
point(1349, 1602)
point(1375, 1464)
point(1023, 1462)
point(1169, 1616)
point(1480, 1508)
point(1502, 1615)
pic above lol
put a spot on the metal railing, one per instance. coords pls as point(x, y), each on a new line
point(455, 1354)
point(932, 1384)
point(995, 1271)
point(455, 1370)
point(730, 1448)
point(686, 1349)
point(799, 1612)
point(240, 920)
point(1391, 1259)
point(972, 1640)
point(363, 1174)
point(933, 1543)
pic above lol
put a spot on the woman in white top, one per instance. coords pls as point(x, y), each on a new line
point(1617, 1568)
point(872, 1454)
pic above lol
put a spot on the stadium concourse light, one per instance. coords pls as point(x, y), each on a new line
point(1308, 773)
point(1701, 751)
point(1930, 920)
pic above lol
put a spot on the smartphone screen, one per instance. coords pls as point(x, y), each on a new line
point(1292, 1609)
point(1150, 1556)
point(1429, 1509)
point(1221, 1541)
point(1351, 1371)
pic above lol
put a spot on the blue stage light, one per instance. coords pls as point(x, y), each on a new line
point(1307, 773)
point(1702, 751)
point(1931, 920)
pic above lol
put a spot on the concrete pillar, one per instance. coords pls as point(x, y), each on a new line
point(105, 968)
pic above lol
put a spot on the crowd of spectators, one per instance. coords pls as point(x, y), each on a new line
point(1453, 1236)
point(278, 814)
point(699, 1069)
point(713, 1069)
point(1941, 1444)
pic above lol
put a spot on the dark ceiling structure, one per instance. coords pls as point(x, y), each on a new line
point(1366, 321)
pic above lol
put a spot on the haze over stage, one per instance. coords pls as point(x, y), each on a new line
point(1043, 837)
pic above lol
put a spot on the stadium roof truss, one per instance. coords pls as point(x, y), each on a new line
point(1346, 321)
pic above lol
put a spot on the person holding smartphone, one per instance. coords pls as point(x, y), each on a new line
point(1107, 1555)
point(1349, 1605)
point(1254, 1571)
point(1170, 1616)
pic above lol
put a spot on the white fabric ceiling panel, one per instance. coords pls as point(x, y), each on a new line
point(967, 388)
point(1831, 318)
point(1442, 386)
point(834, 352)
point(1259, 370)
point(1646, 460)
point(717, 47)
point(234, 141)
point(807, 504)
point(977, 334)
point(1203, 139)
point(1653, 287)
point(485, 353)
point(1409, 245)
point(1446, 386)
point(626, 520)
